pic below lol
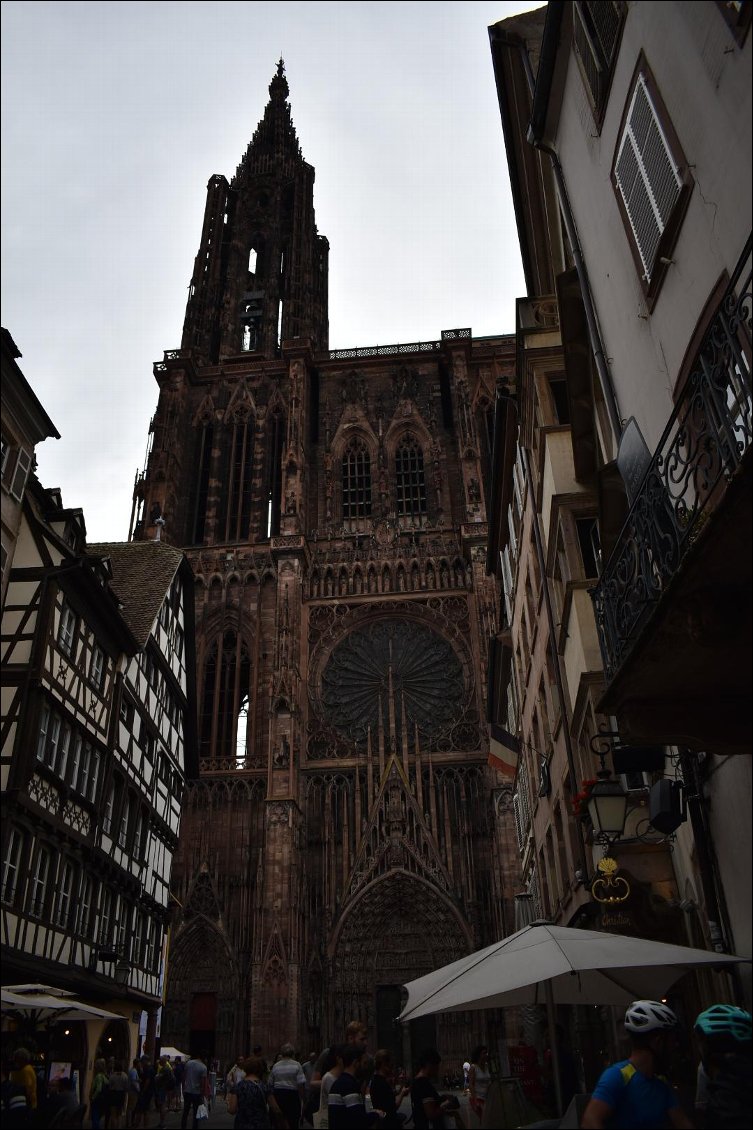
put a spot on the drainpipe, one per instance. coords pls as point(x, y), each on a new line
point(594, 333)
point(553, 643)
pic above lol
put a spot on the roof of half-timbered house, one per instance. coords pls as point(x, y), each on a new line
point(142, 572)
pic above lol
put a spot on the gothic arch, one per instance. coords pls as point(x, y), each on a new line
point(202, 965)
point(354, 429)
point(394, 897)
point(397, 928)
point(403, 426)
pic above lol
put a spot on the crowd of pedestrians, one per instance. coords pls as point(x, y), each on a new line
point(330, 1091)
point(346, 1088)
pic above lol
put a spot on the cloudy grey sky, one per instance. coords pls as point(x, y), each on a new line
point(114, 116)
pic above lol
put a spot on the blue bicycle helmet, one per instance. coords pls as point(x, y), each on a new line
point(725, 1020)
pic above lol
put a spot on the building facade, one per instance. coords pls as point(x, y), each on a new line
point(97, 737)
point(25, 424)
point(342, 836)
point(638, 229)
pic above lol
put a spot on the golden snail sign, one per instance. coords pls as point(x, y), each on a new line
point(607, 888)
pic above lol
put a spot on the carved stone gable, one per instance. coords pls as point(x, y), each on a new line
point(396, 835)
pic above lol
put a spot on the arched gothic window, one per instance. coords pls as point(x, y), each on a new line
point(485, 429)
point(410, 484)
point(201, 483)
point(227, 682)
point(356, 480)
point(235, 506)
point(273, 493)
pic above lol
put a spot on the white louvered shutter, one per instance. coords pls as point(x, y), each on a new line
point(647, 176)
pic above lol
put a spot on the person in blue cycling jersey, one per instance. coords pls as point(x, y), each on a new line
point(634, 1094)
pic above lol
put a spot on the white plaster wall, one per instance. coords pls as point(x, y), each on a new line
point(729, 794)
point(704, 80)
point(582, 644)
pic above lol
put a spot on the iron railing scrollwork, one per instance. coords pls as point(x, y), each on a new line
point(703, 444)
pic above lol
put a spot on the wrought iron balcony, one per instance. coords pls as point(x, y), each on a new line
point(706, 438)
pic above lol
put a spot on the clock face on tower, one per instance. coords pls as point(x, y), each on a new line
point(393, 669)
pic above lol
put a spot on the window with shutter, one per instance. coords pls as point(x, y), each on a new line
point(651, 180)
point(596, 34)
point(23, 463)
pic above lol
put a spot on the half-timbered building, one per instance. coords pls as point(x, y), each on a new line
point(97, 737)
point(25, 424)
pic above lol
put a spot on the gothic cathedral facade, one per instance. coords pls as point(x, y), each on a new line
point(345, 834)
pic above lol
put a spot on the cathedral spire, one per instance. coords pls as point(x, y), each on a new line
point(274, 144)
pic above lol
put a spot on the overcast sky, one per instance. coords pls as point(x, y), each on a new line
point(114, 117)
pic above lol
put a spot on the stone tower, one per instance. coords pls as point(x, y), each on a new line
point(345, 834)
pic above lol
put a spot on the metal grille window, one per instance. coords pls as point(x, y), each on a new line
point(650, 177)
point(410, 484)
point(356, 481)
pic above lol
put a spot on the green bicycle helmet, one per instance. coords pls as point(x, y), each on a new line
point(725, 1020)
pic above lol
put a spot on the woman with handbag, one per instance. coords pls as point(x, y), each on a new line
point(252, 1101)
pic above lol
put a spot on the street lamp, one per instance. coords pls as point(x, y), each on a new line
point(607, 807)
point(122, 972)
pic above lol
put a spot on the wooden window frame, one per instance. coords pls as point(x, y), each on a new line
point(67, 627)
point(86, 902)
point(652, 285)
point(17, 481)
point(36, 903)
point(11, 869)
point(64, 898)
point(97, 668)
point(737, 22)
point(597, 99)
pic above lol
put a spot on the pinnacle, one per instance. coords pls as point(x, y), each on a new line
point(278, 87)
point(274, 142)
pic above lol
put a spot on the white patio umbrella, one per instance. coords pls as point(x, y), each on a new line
point(547, 964)
point(44, 1009)
point(37, 990)
point(172, 1052)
